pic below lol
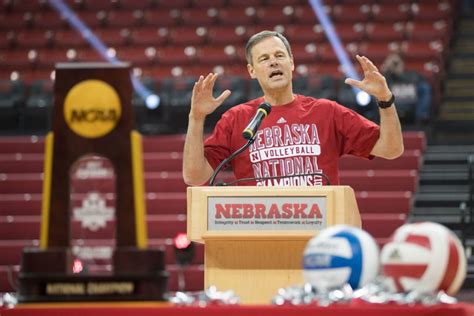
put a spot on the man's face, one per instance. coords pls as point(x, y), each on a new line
point(272, 65)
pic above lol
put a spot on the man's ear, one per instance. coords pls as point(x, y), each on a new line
point(292, 62)
point(251, 71)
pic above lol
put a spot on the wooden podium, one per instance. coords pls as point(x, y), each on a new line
point(255, 236)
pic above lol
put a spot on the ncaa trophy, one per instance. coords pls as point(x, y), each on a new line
point(92, 116)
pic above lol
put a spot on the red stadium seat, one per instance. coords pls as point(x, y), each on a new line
point(93, 19)
point(289, 2)
point(160, 18)
point(351, 13)
point(236, 16)
point(149, 36)
point(127, 19)
point(274, 14)
point(385, 202)
point(386, 32)
point(382, 225)
point(113, 37)
point(7, 40)
point(48, 58)
point(34, 39)
point(378, 51)
point(136, 4)
point(175, 55)
point(217, 55)
point(69, 39)
point(236, 70)
point(391, 12)
point(380, 180)
point(208, 3)
point(89, 55)
point(14, 60)
point(197, 70)
point(423, 51)
point(199, 17)
point(25, 5)
point(304, 33)
point(428, 31)
point(175, 4)
point(49, 20)
point(15, 21)
point(159, 71)
point(438, 10)
point(188, 35)
point(218, 35)
point(411, 159)
point(350, 32)
point(246, 3)
point(304, 14)
point(96, 5)
point(134, 55)
point(305, 53)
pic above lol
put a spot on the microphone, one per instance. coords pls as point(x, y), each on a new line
point(263, 110)
point(249, 134)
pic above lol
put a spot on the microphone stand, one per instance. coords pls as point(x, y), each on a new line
point(228, 159)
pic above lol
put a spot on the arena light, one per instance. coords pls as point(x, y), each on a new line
point(152, 101)
point(337, 46)
point(76, 23)
point(363, 98)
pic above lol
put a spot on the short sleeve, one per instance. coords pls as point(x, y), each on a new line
point(357, 133)
point(217, 146)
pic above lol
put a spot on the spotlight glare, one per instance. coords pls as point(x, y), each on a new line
point(152, 101)
point(363, 98)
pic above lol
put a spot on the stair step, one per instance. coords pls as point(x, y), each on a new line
point(436, 211)
point(446, 158)
point(457, 110)
point(444, 188)
point(458, 83)
point(457, 98)
point(432, 166)
point(460, 92)
point(450, 149)
point(461, 105)
point(466, 117)
point(443, 178)
point(440, 199)
point(459, 75)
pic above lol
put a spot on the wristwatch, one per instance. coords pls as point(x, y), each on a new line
point(386, 104)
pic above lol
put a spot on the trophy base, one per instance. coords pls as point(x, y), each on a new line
point(46, 276)
point(74, 288)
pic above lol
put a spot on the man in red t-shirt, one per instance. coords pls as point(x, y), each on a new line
point(301, 135)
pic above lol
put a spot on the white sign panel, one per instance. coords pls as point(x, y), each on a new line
point(266, 213)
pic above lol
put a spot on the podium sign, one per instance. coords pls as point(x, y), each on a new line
point(301, 213)
point(255, 236)
point(92, 116)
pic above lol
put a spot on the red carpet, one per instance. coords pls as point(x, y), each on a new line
point(151, 309)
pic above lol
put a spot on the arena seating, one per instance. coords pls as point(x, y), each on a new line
point(165, 40)
point(384, 192)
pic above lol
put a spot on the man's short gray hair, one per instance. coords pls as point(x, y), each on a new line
point(257, 38)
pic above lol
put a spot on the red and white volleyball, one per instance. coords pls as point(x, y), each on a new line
point(424, 257)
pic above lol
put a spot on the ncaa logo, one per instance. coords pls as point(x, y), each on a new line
point(92, 108)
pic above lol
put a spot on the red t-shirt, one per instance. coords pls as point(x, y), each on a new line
point(305, 136)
